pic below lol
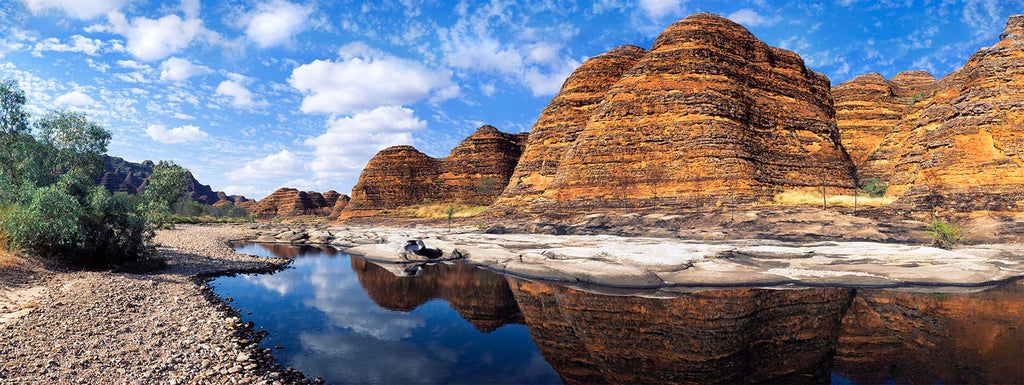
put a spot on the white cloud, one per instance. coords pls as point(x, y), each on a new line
point(78, 43)
point(251, 192)
point(82, 9)
point(75, 99)
point(178, 69)
point(749, 18)
point(186, 133)
point(276, 22)
point(657, 9)
point(484, 54)
point(153, 39)
point(351, 141)
point(364, 78)
point(240, 96)
point(281, 165)
point(543, 83)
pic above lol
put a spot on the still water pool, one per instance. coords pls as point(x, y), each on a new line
point(348, 320)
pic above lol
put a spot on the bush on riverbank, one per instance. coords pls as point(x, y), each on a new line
point(49, 205)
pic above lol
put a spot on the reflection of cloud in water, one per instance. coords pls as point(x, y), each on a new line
point(286, 282)
point(339, 296)
point(358, 359)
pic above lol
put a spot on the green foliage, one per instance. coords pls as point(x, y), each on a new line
point(874, 187)
point(49, 206)
point(946, 235)
point(166, 187)
point(918, 96)
point(189, 211)
point(450, 212)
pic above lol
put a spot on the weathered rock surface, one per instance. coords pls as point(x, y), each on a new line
point(869, 106)
point(286, 202)
point(959, 150)
point(727, 336)
point(709, 116)
point(562, 120)
point(339, 206)
point(474, 173)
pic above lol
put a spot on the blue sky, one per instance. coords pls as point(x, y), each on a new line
point(252, 95)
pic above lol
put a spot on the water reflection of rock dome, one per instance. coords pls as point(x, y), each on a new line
point(481, 297)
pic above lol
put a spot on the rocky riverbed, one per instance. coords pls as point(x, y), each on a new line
point(675, 264)
point(165, 326)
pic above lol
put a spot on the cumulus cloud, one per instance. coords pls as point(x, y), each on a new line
point(178, 69)
point(749, 18)
point(81, 9)
point(75, 99)
point(186, 133)
point(363, 78)
point(351, 141)
point(276, 22)
point(658, 9)
point(240, 96)
point(281, 165)
point(78, 43)
point(153, 39)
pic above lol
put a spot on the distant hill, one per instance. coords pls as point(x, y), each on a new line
point(130, 177)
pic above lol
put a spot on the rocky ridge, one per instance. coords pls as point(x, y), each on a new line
point(709, 116)
point(290, 202)
point(474, 173)
point(120, 175)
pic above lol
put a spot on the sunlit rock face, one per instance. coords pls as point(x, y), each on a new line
point(913, 338)
point(474, 173)
point(562, 120)
point(730, 336)
point(480, 297)
point(869, 106)
point(287, 202)
point(709, 116)
point(959, 149)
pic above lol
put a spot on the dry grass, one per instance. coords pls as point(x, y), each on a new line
point(795, 198)
point(8, 256)
point(438, 211)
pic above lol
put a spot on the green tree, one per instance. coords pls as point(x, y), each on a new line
point(15, 139)
point(166, 187)
point(78, 143)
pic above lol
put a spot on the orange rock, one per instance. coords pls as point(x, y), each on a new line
point(474, 173)
point(286, 202)
point(709, 116)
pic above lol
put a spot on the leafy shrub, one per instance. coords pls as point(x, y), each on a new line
point(874, 187)
point(946, 235)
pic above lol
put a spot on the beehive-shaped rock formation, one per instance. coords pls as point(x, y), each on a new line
point(286, 202)
point(709, 116)
point(474, 173)
point(562, 121)
point(960, 149)
point(869, 106)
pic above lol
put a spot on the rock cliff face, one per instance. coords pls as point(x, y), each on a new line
point(286, 202)
point(959, 150)
point(727, 336)
point(869, 106)
point(481, 297)
point(912, 338)
point(474, 173)
point(339, 206)
point(124, 176)
point(562, 121)
point(709, 116)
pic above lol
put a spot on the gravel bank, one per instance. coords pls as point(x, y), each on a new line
point(102, 327)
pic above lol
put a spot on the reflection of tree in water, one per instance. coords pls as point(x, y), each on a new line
point(480, 297)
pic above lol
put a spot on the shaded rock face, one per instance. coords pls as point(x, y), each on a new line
point(287, 202)
point(339, 205)
point(562, 120)
point(727, 336)
point(709, 116)
point(474, 173)
point(959, 150)
point(481, 297)
point(124, 176)
point(869, 106)
point(911, 338)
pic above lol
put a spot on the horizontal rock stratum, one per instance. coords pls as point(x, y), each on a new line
point(709, 116)
point(289, 202)
point(474, 173)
